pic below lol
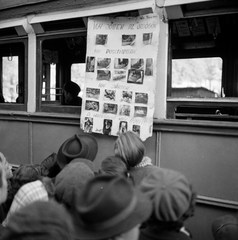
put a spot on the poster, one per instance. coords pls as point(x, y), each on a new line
point(120, 78)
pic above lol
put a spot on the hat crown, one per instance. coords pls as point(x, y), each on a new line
point(106, 201)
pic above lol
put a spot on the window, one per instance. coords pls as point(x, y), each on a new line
point(62, 60)
point(203, 69)
point(12, 78)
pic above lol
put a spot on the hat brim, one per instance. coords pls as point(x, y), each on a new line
point(140, 214)
point(90, 155)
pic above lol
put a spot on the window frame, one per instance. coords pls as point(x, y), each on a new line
point(23, 74)
point(40, 106)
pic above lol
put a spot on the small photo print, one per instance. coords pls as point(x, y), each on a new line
point(119, 75)
point(122, 127)
point(128, 40)
point(135, 76)
point(103, 75)
point(126, 96)
point(107, 126)
point(101, 39)
point(110, 108)
point(136, 129)
point(110, 95)
point(103, 62)
point(88, 125)
point(147, 38)
point(149, 67)
point(90, 64)
point(140, 111)
point(92, 93)
point(141, 98)
point(125, 110)
point(92, 105)
point(121, 63)
point(137, 63)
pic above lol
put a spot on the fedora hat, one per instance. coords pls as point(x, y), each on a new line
point(109, 206)
point(77, 146)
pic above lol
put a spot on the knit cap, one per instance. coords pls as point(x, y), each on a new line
point(70, 181)
point(225, 228)
point(40, 221)
point(170, 193)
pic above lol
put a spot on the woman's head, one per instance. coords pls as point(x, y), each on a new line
point(6, 165)
point(130, 148)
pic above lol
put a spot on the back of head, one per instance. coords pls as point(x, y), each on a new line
point(225, 228)
point(130, 148)
point(171, 194)
point(114, 166)
point(72, 88)
point(77, 146)
point(24, 174)
point(109, 206)
point(70, 182)
point(40, 221)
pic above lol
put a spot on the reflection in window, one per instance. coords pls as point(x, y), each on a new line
point(78, 75)
point(197, 77)
point(10, 78)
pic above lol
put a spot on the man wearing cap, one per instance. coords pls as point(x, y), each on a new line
point(110, 208)
point(173, 201)
point(71, 91)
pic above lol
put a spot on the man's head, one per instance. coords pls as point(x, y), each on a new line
point(71, 90)
point(109, 206)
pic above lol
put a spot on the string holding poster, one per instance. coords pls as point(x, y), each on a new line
point(120, 78)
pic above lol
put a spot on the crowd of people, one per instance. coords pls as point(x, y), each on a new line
point(66, 198)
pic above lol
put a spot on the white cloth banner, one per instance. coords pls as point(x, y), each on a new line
point(120, 78)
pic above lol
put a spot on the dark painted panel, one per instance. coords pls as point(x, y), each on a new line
point(208, 161)
point(14, 142)
point(200, 224)
point(15, 3)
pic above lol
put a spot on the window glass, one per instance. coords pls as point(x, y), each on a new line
point(78, 75)
point(197, 77)
point(10, 78)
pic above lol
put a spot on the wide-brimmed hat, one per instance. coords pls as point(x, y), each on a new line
point(77, 146)
point(225, 228)
point(109, 206)
point(170, 192)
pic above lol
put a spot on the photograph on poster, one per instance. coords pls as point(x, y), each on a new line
point(88, 125)
point(103, 63)
point(110, 108)
point(141, 98)
point(92, 105)
point(137, 63)
point(126, 96)
point(135, 76)
point(119, 75)
point(92, 93)
point(107, 126)
point(136, 129)
point(122, 127)
point(149, 67)
point(90, 64)
point(128, 39)
point(110, 95)
point(101, 39)
point(125, 110)
point(140, 111)
point(121, 63)
point(147, 38)
point(103, 75)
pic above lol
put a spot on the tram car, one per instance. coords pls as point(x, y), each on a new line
point(43, 45)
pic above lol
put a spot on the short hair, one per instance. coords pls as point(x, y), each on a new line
point(130, 148)
point(2, 157)
point(72, 88)
point(1, 175)
point(114, 166)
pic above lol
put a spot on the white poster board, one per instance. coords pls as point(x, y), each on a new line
point(120, 78)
